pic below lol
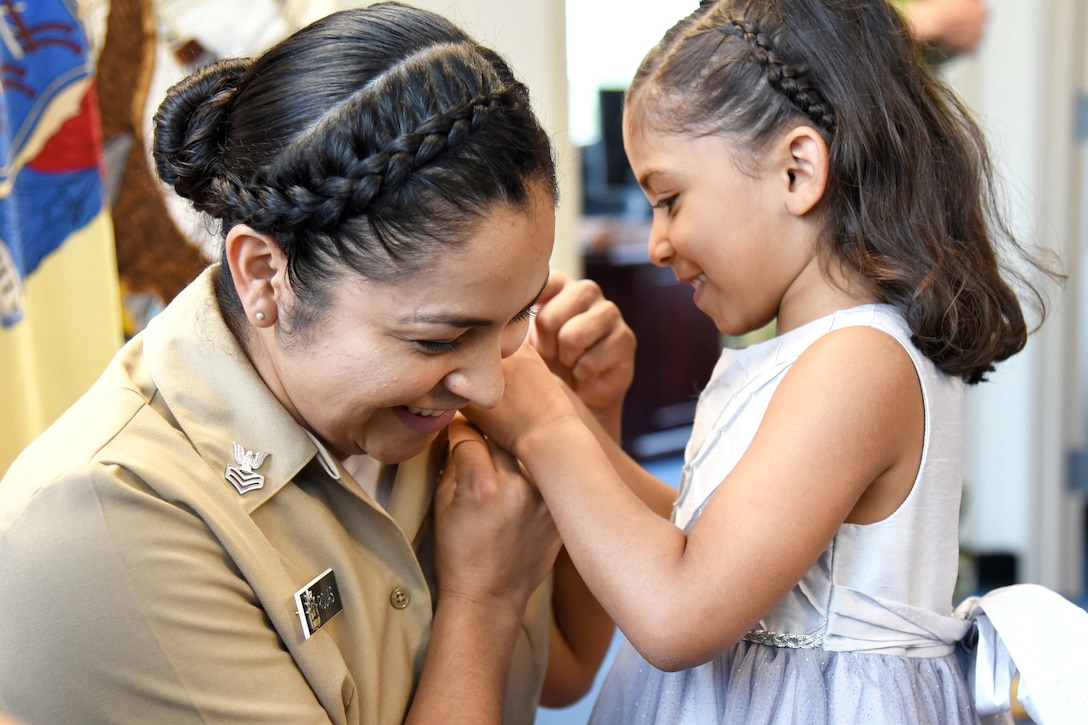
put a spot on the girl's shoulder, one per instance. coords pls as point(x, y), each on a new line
point(870, 337)
point(876, 315)
point(883, 317)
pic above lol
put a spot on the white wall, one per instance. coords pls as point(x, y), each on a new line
point(606, 41)
point(1021, 86)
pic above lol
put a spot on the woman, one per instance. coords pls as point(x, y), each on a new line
point(233, 524)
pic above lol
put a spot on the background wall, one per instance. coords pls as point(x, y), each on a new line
point(1024, 85)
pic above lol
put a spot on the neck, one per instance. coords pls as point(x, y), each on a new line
point(820, 290)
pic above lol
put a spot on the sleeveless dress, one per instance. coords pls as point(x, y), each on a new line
point(867, 636)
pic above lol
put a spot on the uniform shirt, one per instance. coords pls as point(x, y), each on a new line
point(138, 584)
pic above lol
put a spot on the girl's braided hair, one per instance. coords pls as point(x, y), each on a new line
point(910, 202)
point(374, 138)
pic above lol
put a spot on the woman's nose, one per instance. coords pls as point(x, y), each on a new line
point(479, 379)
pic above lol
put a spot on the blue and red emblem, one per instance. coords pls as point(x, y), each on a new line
point(50, 139)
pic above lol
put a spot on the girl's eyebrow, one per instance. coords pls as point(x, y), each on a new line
point(648, 176)
point(466, 322)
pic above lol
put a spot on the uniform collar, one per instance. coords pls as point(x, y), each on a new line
point(216, 395)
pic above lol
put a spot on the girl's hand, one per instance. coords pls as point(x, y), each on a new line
point(533, 399)
point(495, 537)
point(585, 341)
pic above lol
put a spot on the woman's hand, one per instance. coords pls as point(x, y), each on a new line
point(585, 341)
point(495, 543)
point(495, 538)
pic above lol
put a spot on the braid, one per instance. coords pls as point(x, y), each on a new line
point(190, 129)
point(318, 191)
point(790, 80)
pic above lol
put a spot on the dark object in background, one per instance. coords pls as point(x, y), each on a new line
point(996, 569)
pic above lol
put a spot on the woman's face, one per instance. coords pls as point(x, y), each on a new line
point(391, 362)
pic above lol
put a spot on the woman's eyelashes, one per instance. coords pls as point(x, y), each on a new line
point(449, 345)
point(527, 314)
point(439, 346)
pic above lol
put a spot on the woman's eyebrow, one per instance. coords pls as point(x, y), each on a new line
point(466, 322)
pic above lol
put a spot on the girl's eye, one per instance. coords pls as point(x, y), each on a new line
point(526, 314)
point(665, 203)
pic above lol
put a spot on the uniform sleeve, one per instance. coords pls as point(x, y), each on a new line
point(116, 606)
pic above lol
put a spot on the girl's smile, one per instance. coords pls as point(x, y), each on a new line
point(723, 229)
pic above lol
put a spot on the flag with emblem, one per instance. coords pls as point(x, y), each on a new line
point(60, 311)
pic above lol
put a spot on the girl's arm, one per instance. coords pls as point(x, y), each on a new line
point(581, 634)
point(846, 419)
point(586, 343)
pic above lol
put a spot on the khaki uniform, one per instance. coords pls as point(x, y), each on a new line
point(138, 585)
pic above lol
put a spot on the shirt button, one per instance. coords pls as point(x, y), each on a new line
point(399, 598)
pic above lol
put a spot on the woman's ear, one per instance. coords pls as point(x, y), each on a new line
point(258, 267)
point(806, 159)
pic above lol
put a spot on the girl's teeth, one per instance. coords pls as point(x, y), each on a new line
point(698, 281)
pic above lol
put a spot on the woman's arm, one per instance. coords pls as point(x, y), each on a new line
point(495, 544)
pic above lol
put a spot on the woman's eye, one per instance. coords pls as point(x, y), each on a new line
point(438, 346)
point(526, 314)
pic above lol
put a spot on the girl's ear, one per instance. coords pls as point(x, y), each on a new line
point(806, 161)
point(258, 267)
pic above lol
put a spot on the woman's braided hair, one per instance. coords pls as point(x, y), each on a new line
point(331, 189)
point(374, 138)
point(910, 203)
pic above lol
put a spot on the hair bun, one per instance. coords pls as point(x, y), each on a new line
point(190, 127)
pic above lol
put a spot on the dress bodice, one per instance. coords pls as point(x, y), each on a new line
point(908, 560)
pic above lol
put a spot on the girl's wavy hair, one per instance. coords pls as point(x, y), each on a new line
point(373, 138)
point(910, 202)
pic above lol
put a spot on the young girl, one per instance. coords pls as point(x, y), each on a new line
point(802, 167)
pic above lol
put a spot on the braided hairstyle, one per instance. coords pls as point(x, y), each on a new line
point(374, 139)
point(910, 202)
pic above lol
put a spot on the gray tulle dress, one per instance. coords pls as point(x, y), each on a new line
point(868, 635)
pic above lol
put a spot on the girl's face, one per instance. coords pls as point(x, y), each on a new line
point(389, 365)
point(725, 231)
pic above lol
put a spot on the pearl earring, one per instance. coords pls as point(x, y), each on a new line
point(259, 316)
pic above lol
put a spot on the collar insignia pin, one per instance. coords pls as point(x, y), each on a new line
point(243, 475)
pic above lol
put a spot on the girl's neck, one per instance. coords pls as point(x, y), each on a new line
point(820, 290)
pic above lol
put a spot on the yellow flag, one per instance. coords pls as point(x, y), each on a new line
point(60, 307)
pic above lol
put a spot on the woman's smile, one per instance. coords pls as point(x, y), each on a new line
point(422, 420)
